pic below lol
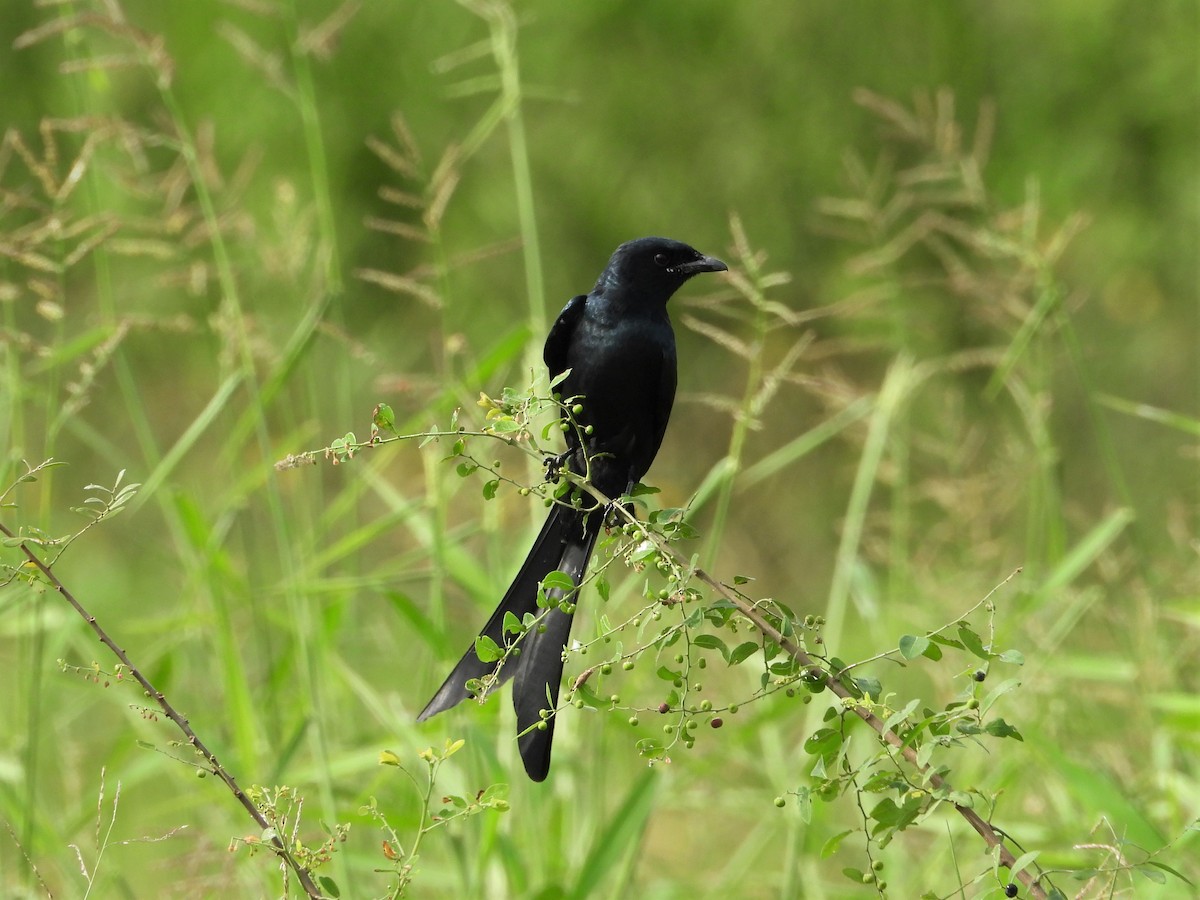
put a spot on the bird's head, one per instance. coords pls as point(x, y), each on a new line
point(654, 267)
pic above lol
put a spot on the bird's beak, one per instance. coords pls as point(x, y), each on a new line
point(703, 264)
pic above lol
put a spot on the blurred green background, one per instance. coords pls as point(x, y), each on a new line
point(227, 230)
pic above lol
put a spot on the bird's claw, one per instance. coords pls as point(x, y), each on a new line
point(554, 464)
point(612, 513)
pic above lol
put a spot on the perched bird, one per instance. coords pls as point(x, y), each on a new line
point(619, 348)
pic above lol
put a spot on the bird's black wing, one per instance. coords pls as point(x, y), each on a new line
point(558, 341)
point(668, 379)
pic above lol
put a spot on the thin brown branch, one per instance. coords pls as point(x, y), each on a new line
point(990, 836)
point(302, 874)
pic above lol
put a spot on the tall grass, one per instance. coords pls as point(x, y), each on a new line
point(179, 307)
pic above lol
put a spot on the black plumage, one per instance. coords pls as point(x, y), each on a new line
point(618, 344)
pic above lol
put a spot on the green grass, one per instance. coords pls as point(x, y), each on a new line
point(226, 235)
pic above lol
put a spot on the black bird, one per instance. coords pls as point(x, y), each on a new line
point(618, 344)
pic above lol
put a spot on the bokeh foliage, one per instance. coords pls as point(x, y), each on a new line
point(228, 229)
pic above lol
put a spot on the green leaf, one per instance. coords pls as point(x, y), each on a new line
point(1021, 863)
point(1167, 868)
point(1153, 875)
point(1000, 728)
point(1013, 657)
point(912, 646)
point(896, 818)
point(642, 490)
point(493, 793)
point(972, 641)
point(900, 715)
point(649, 748)
point(487, 649)
point(504, 425)
point(853, 874)
point(870, 686)
point(933, 651)
point(388, 758)
point(711, 642)
point(384, 419)
point(512, 625)
point(824, 743)
point(490, 488)
point(830, 847)
point(558, 581)
point(742, 652)
point(742, 579)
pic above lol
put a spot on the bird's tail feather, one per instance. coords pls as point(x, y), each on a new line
point(539, 669)
point(564, 543)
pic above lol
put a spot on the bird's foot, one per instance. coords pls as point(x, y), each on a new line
point(617, 514)
point(554, 464)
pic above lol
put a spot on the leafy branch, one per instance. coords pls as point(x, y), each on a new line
point(117, 496)
point(780, 633)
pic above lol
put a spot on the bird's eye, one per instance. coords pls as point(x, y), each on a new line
point(660, 259)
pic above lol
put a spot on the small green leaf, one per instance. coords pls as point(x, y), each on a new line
point(1167, 868)
point(711, 642)
point(388, 758)
point(742, 579)
point(558, 581)
point(1153, 875)
point(742, 652)
point(490, 488)
point(870, 686)
point(1000, 728)
point(912, 646)
point(972, 641)
point(487, 649)
point(1022, 862)
point(504, 425)
point(648, 747)
point(512, 625)
point(329, 886)
point(384, 419)
point(830, 846)
point(642, 490)
point(1013, 657)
